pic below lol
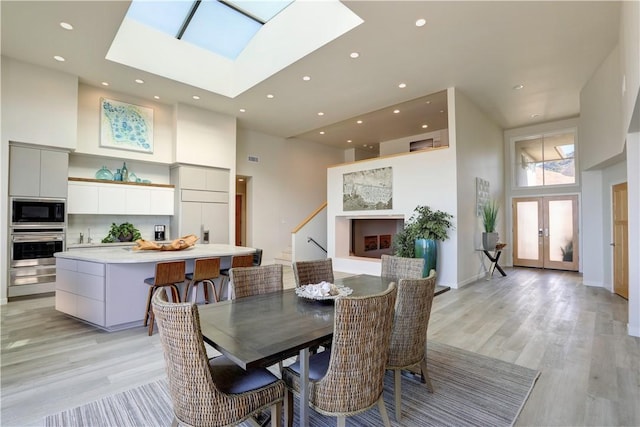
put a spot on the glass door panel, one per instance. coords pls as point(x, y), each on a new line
point(528, 216)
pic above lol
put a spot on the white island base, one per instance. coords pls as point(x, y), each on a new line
point(105, 287)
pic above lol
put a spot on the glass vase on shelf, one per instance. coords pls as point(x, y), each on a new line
point(118, 175)
point(125, 172)
point(104, 173)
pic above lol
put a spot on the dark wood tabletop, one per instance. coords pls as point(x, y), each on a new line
point(262, 330)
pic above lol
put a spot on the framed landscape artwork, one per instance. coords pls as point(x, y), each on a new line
point(126, 126)
point(368, 190)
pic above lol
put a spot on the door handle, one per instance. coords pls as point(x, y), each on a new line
point(540, 233)
point(612, 244)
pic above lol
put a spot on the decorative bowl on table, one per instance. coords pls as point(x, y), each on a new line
point(322, 291)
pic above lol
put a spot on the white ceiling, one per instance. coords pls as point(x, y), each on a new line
point(482, 48)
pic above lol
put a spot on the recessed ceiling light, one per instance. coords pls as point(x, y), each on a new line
point(321, 132)
point(241, 179)
point(364, 145)
point(428, 102)
point(156, 97)
point(242, 110)
point(270, 96)
point(196, 97)
point(396, 111)
point(354, 55)
point(320, 113)
point(420, 22)
point(534, 115)
point(425, 126)
point(306, 78)
point(359, 122)
point(442, 111)
point(66, 26)
point(349, 141)
point(139, 81)
point(518, 87)
point(402, 85)
point(105, 83)
point(58, 58)
point(371, 146)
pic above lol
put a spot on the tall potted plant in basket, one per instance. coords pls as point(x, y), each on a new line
point(420, 235)
point(489, 217)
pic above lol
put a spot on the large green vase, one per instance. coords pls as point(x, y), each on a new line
point(427, 249)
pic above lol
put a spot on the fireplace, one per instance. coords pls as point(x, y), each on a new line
point(372, 237)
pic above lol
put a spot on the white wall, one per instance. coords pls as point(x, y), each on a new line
point(479, 153)
point(419, 178)
point(630, 58)
point(205, 138)
point(303, 250)
point(601, 114)
point(40, 105)
point(88, 129)
point(633, 186)
point(284, 187)
point(592, 248)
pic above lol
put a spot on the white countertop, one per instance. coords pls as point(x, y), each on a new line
point(126, 255)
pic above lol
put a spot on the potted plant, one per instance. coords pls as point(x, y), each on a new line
point(125, 232)
point(420, 235)
point(489, 218)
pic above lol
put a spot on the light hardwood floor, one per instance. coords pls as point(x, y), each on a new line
point(575, 335)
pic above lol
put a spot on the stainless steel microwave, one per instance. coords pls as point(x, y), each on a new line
point(25, 211)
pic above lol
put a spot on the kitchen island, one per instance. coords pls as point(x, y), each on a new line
point(105, 286)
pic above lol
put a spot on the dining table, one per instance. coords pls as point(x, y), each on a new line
point(262, 330)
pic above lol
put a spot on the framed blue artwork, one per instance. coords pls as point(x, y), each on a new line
point(126, 126)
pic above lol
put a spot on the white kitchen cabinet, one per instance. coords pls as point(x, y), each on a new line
point(36, 172)
point(202, 202)
point(82, 198)
point(104, 198)
point(214, 217)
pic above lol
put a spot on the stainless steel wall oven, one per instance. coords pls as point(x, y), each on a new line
point(32, 250)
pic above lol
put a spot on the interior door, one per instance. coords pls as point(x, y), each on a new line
point(546, 232)
point(620, 241)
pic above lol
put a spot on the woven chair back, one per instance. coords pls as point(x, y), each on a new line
point(247, 281)
point(411, 319)
point(362, 330)
point(169, 273)
point(196, 400)
point(312, 272)
point(398, 268)
point(206, 268)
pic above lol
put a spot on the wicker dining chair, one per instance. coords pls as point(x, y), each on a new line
point(409, 334)
point(247, 281)
point(349, 379)
point(397, 268)
point(236, 261)
point(205, 392)
point(312, 272)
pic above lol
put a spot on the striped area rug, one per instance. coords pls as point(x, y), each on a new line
point(470, 390)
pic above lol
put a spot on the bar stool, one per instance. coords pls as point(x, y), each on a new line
point(168, 274)
point(236, 261)
point(204, 271)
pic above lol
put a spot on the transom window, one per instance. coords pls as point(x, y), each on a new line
point(545, 160)
point(224, 27)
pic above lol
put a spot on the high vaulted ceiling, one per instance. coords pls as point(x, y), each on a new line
point(484, 49)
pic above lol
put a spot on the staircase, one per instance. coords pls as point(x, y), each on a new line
point(284, 258)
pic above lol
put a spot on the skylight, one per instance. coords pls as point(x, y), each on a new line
point(224, 27)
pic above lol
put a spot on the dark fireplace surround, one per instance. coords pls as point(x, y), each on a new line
point(372, 237)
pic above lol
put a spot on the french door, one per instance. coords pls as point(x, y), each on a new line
point(545, 232)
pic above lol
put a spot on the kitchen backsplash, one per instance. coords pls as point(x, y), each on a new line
point(100, 225)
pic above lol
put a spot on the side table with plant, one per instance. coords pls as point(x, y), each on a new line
point(489, 218)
